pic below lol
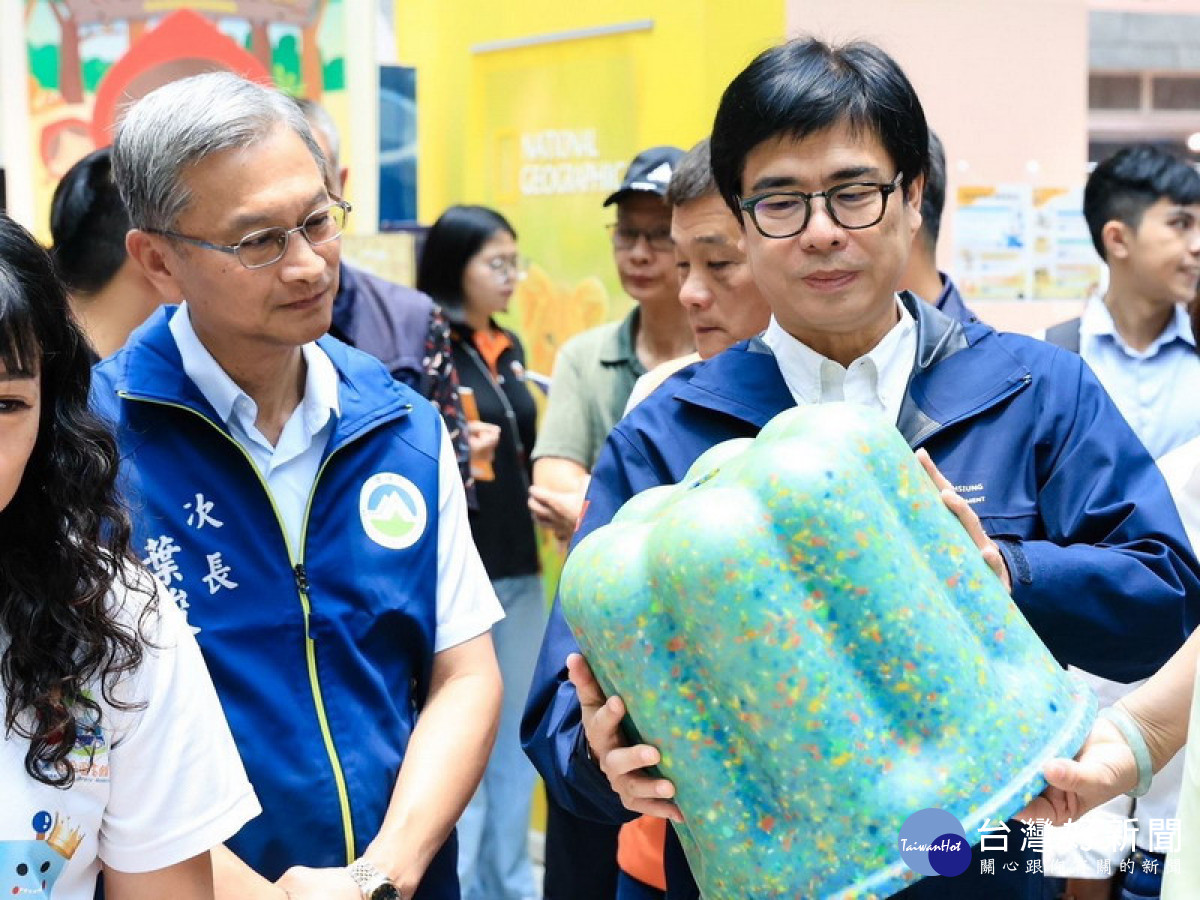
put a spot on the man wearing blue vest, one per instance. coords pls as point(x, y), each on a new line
point(303, 508)
point(820, 151)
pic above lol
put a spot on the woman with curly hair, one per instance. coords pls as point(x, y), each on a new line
point(114, 753)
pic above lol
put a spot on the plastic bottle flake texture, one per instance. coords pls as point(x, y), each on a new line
point(818, 650)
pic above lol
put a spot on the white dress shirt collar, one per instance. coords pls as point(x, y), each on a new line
point(319, 403)
point(877, 379)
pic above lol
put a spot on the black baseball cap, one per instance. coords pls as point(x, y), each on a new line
point(649, 173)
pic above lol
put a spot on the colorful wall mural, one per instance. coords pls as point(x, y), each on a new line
point(87, 58)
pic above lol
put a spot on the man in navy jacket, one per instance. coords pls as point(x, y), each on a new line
point(810, 151)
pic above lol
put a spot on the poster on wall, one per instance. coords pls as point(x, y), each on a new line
point(397, 147)
point(556, 127)
point(992, 229)
point(1065, 264)
point(87, 58)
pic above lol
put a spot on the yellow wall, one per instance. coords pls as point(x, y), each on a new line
point(482, 108)
point(692, 51)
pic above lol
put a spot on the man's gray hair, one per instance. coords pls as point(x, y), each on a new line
point(320, 119)
point(693, 177)
point(180, 124)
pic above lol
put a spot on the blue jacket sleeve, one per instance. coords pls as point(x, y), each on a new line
point(1114, 587)
point(551, 731)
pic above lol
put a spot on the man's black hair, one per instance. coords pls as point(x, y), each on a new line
point(933, 198)
point(806, 86)
point(1123, 186)
point(88, 223)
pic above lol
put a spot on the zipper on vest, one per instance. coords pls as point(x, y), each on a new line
point(301, 579)
point(302, 590)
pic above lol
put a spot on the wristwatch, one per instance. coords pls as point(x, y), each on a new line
point(373, 884)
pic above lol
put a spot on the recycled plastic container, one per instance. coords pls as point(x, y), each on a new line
point(818, 650)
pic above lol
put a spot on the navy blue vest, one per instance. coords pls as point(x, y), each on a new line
point(321, 654)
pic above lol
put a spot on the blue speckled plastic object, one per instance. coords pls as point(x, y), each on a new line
point(819, 651)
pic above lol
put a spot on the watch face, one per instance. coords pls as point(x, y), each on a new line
point(386, 892)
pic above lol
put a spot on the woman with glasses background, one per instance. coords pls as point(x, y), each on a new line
point(470, 267)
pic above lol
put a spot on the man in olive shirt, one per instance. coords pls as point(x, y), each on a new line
point(595, 371)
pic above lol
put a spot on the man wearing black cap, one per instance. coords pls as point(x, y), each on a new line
point(595, 371)
point(594, 374)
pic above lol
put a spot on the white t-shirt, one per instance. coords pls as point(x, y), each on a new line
point(154, 785)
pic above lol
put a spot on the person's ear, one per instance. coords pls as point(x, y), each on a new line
point(343, 177)
point(1116, 237)
point(912, 199)
point(157, 261)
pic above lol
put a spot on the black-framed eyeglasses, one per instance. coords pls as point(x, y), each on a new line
point(625, 238)
point(267, 246)
point(784, 214)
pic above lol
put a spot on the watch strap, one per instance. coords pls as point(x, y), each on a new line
point(372, 883)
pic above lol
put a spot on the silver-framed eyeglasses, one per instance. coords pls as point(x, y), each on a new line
point(267, 246)
point(505, 267)
point(784, 214)
point(625, 238)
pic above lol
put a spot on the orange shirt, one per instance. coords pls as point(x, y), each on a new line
point(490, 344)
point(640, 850)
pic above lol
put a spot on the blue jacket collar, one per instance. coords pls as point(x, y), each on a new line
point(951, 303)
point(745, 381)
point(150, 368)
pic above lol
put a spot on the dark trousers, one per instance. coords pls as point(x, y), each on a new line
point(581, 857)
point(629, 888)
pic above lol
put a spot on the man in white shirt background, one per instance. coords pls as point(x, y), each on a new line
point(1142, 207)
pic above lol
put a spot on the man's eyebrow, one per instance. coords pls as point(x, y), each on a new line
point(850, 173)
point(264, 220)
point(713, 239)
point(789, 182)
point(770, 182)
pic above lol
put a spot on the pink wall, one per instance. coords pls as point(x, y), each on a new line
point(1003, 82)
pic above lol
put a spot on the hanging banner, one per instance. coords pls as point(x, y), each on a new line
point(397, 147)
point(556, 125)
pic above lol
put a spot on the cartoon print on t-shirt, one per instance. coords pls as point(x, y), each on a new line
point(89, 756)
point(31, 868)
